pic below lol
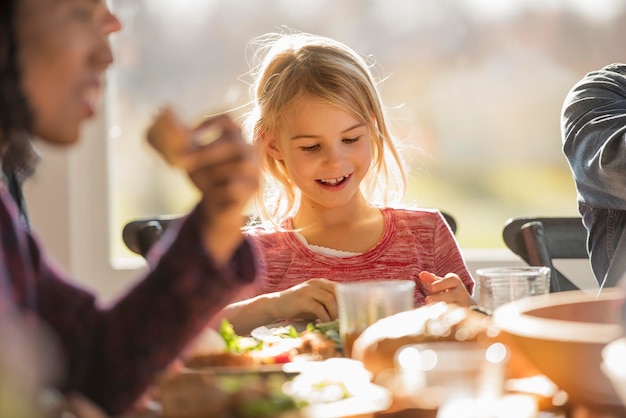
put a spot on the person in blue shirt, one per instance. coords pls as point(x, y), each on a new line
point(593, 128)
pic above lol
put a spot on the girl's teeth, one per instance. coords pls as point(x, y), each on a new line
point(333, 181)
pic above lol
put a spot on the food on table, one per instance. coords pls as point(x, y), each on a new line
point(330, 380)
point(199, 395)
point(336, 387)
point(192, 395)
point(224, 359)
point(316, 346)
point(231, 350)
point(222, 348)
point(254, 396)
point(329, 329)
point(245, 388)
point(377, 345)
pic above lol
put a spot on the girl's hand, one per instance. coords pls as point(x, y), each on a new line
point(448, 289)
point(311, 300)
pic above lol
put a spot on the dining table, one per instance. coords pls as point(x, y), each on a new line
point(530, 387)
point(404, 407)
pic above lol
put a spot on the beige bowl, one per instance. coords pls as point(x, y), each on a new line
point(564, 334)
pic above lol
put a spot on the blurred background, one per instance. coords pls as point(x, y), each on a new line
point(474, 89)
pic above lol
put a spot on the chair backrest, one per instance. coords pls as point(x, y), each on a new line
point(540, 240)
point(141, 234)
point(450, 220)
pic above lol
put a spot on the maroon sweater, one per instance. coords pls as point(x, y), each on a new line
point(111, 354)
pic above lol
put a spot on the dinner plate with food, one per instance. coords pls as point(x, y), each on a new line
point(292, 368)
point(336, 387)
point(266, 350)
point(305, 340)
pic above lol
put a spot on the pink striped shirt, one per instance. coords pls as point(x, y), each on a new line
point(412, 241)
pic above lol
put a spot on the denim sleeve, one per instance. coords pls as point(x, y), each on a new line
point(593, 130)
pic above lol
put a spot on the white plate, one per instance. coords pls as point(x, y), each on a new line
point(374, 398)
point(226, 371)
point(271, 333)
point(365, 398)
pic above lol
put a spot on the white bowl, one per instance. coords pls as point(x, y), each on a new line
point(614, 365)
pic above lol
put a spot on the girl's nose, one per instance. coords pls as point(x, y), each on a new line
point(334, 155)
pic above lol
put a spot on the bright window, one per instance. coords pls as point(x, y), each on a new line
point(474, 87)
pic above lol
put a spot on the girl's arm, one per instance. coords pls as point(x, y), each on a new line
point(309, 301)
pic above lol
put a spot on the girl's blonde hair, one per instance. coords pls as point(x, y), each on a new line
point(297, 64)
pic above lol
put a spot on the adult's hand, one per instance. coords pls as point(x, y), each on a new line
point(222, 166)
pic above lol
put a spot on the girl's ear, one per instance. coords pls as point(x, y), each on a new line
point(271, 145)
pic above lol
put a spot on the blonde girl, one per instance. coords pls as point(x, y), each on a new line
point(329, 170)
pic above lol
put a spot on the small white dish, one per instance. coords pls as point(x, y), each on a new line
point(614, 365)
point(336, 387)
point(277, 332)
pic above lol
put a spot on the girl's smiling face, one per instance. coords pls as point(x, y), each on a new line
point(326, 151)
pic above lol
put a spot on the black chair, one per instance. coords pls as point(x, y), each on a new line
point(141, 234)
point(540, 240)
point(450, 220)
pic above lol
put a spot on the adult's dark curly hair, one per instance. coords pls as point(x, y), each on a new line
point(15, 113)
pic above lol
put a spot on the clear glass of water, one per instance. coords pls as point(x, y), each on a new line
point(500, 285)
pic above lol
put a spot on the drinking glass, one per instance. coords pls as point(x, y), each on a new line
point(500, 285)
point(434, 374)
point(361, 304)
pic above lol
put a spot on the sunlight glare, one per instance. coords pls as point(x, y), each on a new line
point(181, 12)
point(489, 10)
point(303, 9)
point(600, 10)
point(401, 16)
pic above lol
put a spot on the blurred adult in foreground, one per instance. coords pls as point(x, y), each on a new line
point(53, 333)
point(593, 130)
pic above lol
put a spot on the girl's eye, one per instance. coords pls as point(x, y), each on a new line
point(351, 140)
point(310, 148)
